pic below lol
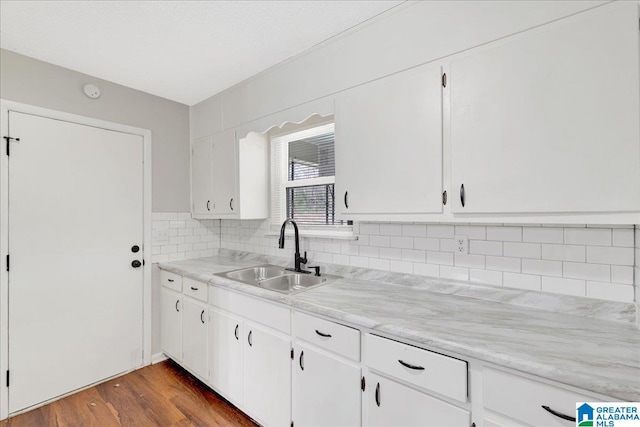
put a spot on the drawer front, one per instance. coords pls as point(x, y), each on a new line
point(263, 312)
point(328, 335)
point(522, 399)
point(171, 280)
point(195, 289)
point(426, 369)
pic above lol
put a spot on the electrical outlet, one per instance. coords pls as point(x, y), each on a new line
point(461, 244)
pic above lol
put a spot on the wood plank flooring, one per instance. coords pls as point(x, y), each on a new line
point(159, 395)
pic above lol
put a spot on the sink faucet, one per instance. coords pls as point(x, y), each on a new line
point(297, 258)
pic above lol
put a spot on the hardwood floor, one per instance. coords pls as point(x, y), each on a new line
point(159, 395)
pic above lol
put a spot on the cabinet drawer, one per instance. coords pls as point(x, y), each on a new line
point(328, 335)
point(522, 399)
point(260, 311)
point(426, 369)
point(195, 289)
point(171, 280)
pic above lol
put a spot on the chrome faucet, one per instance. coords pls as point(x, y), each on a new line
point(297, 258)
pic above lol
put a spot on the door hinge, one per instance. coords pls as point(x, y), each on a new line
point(291, 354)
point(444, 197)
point(444, 79)
point(7, 378)
point(7, 262)
point(8, 139)
point(363, 383)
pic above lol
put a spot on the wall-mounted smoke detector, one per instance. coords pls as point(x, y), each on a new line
point(92, 91)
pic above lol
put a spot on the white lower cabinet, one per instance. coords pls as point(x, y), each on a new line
point(226, 350)
point(267, 375)
point(326, 389)
point(194, 337)
point(171, 323)
point(389, 403)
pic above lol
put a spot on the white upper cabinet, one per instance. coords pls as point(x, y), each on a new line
point(389, 145)
point(548, 121)
point(229, 177)
point(201, 178)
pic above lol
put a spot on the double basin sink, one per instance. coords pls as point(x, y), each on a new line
point(277, 278)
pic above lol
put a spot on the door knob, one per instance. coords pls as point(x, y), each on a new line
point(135, 248)
point(135, 263)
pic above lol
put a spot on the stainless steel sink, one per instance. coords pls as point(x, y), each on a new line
point(277, 278)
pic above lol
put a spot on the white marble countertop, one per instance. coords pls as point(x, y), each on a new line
point(485, 323)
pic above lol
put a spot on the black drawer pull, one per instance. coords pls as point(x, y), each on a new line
point(169, 280)
point(323, 335)
point(235, 333)
point(410, 366)
point(201, 316)
point(177, 309)
point(194, 289)
point(302, 360)
point(378, 394)
point(558, 414)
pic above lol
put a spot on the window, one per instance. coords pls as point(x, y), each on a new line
point(303, 178)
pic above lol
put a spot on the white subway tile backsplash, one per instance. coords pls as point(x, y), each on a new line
point(577, 270)
point(623, 237)
point(542, 235)
point(542, 267)
point(522, 250)
point(564, 286)
point(564, 253)
point(521, 281)
point(588, 236)
point(610, 291)
point(610, 255)
point(505, 234)
point(185, 238)
point(481, 247)
point(568, 259)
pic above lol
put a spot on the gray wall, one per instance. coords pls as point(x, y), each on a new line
point(26, 80)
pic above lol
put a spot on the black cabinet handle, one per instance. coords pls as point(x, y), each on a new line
point(194, 289)
point(249, 339)
point(462, 196)
point(231, 203)
point(410, 366)
point(346, 200)
point(170, 280)
point(202, 316)
point(135, 263)
point(378, 394)
point(235, 333)
point(177, 309)
point(302, 360)
point(208, 202)
point(558, 414)
point(363, 384)
point(323, 335)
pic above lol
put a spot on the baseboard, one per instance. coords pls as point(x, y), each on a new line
point(158, 357)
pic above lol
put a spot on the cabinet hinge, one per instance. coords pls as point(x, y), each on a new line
point(444, 197)
point(7, 378)
point(363, 383)
point(291, 354)
point(444, 79)
point(7, 262)
point(8, 139)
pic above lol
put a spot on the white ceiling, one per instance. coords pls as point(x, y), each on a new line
point(185, 51)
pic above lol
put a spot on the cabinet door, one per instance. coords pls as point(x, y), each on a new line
point(194, 337)
point(392, 404)
point(548, 121)
point(226, 342)
point(326, 390)
point(224, 172)
point(267, 376)
point(201, 177)
point(389, 145)
point(171, 323)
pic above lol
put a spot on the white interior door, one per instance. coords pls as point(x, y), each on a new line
point(75, 299)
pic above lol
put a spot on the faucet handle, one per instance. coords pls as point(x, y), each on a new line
point(303, 259)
